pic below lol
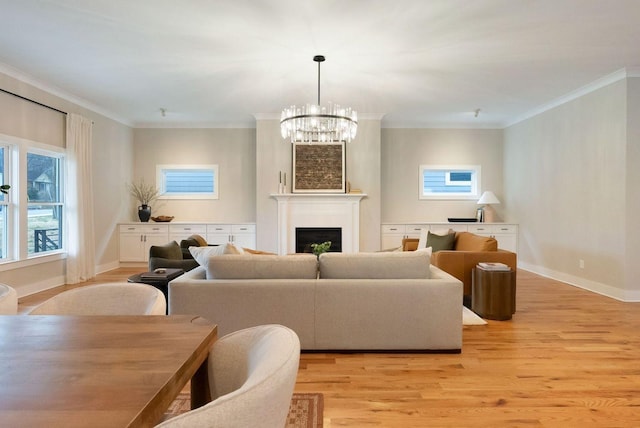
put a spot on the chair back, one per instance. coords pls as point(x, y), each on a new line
point(252, 374)
point(105, 299)
point(8, 300)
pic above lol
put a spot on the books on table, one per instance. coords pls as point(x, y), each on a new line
point(495, 266)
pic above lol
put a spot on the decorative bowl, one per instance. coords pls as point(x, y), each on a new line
point(162, 218)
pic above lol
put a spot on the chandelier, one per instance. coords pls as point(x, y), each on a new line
point(314, 123)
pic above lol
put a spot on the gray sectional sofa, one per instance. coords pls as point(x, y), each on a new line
point(360, 301)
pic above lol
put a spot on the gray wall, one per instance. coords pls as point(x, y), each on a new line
point(566, 178)
point(112, 163)
point(632, 231)
point(404, 150)
point(233, 150)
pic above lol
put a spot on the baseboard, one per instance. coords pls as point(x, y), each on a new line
point(107, 267)
point(36, 287)
point(585, 284)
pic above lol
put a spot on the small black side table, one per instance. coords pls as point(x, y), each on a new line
point(493, 293)
point(158, 280)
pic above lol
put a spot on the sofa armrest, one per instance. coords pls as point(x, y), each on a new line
point(460, 263)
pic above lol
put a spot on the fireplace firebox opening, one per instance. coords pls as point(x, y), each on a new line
point(305, 236)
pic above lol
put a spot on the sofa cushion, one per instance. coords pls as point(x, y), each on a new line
point(441, 242)
point(391, 265)
point(466, 241)
point(247, 266)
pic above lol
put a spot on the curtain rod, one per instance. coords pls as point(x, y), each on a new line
point(33, 101)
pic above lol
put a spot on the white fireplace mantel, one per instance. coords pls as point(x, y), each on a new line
point(318, 210)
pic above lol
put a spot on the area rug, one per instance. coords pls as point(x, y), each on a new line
point(470, 318)
point(305, 411)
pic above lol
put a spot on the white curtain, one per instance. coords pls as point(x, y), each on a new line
point(79, 201)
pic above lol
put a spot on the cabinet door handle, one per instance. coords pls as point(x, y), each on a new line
point(393, 228)
point(141, 238)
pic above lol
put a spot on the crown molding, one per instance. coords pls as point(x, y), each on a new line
point(623, 73)
point(58, 92)
point(194, 125)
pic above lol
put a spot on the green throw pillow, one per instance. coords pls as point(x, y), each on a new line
point(441, 242)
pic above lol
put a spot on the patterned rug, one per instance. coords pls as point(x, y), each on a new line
point(305, 411)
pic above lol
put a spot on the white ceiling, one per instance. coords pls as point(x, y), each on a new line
point(410, 62)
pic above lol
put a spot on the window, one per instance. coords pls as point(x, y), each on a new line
point(32, 214)
point(187, 181)
point(4, 201)
point(449, 182)
point(45, 208)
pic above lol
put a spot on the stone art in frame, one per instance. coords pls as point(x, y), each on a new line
point(318, 168)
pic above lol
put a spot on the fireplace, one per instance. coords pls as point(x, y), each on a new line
point(305, 236)
point(339, 211)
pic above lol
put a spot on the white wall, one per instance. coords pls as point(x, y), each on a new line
point(112, 163)
point(565, 182)
point(233, 150)
point(404, 150)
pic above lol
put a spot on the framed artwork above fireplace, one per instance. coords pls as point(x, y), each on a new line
point(318, 168)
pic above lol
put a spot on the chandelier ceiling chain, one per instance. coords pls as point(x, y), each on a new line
point(316, 124)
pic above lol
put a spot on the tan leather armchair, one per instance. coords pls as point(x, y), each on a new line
point(470, 249)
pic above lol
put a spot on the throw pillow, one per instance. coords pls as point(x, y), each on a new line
point(202, 254)
point(441, 242)
point(257, 252)
point(422, 243)
point(199, 239)
point(427, 250)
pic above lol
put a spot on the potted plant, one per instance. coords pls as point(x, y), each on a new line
point(5, 189)
point(145, 194)
point(321, 248)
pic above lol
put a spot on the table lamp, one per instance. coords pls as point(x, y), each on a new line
point(486, 213)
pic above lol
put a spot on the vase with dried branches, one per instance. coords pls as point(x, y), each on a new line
point(145, 194)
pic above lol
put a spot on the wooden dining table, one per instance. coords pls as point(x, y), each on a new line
point(99, 371)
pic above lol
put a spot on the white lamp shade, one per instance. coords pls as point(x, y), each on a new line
point(488, 198)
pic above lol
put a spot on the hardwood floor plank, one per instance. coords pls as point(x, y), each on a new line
point(568, 358)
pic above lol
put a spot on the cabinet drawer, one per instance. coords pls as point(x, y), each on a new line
point(505, 228)
point(481, 229)
point(439, 228)
point(243, 228)
point(218, 228)
point(145, 229)
point(493, 228)
point(188, 229)
point(393, 228)
point(414, 229)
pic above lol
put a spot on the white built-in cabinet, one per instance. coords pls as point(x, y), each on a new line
point(505, 234)
point(136, 238)
point(240, 235)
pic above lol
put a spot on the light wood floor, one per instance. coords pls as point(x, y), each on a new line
point(568, 358)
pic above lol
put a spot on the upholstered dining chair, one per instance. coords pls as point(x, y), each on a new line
point(252, 374)
point(8, 300)
point(118, 298)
